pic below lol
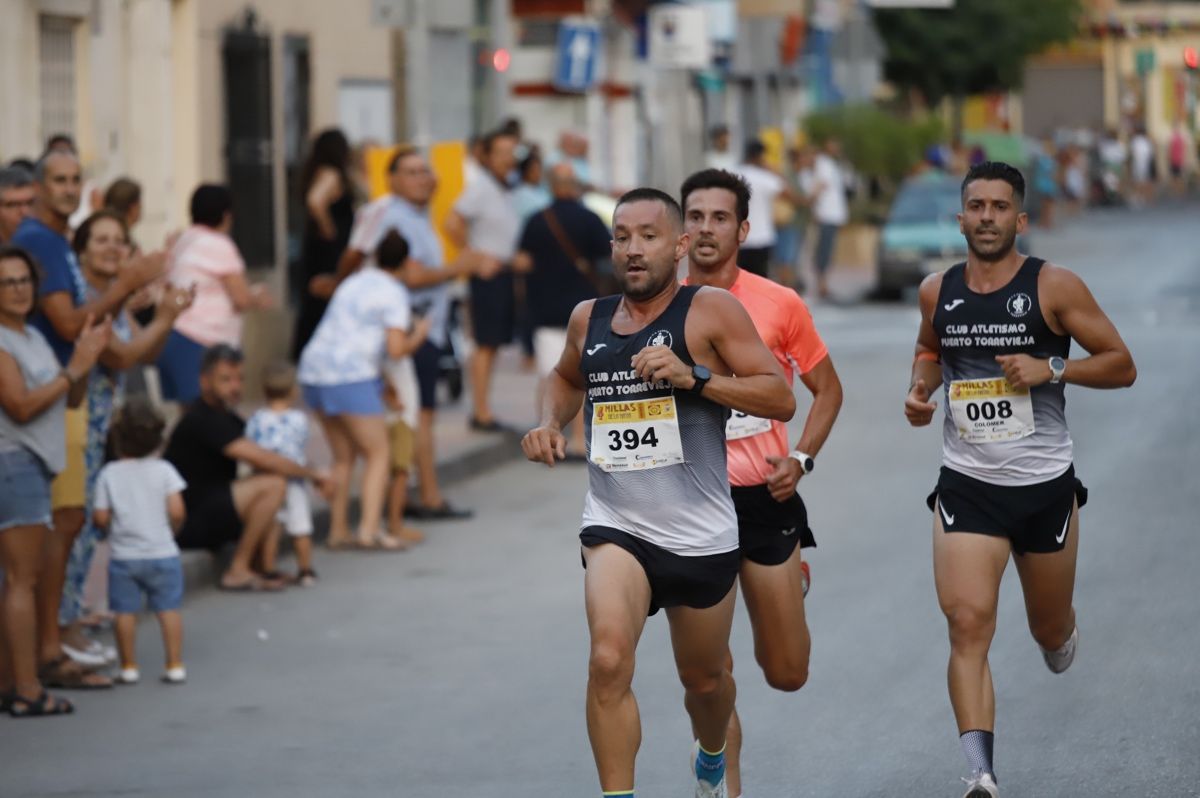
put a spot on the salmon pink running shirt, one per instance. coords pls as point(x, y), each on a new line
point(785, 324)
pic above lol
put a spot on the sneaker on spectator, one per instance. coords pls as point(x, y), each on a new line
point(94, 656)
point(176, 675)
point(128, 676)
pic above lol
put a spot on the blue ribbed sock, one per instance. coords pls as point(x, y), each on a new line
point(711, 767)
point(619, 794)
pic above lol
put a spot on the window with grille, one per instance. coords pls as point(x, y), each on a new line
point(57, 56)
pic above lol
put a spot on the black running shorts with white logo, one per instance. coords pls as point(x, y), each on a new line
point(1035, 518)
point(768, 531)
point(675, 581)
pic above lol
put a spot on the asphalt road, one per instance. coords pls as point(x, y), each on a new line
point(458, 669)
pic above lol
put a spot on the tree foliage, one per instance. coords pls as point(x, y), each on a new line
point(879, 144)
point(976, 46)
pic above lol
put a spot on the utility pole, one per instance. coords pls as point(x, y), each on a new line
point(417, 90)
point(501, 30)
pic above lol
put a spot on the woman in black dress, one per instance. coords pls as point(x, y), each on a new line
point(329, 200)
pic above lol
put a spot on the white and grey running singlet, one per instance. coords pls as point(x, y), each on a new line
point(994, 432)
point(656, 456)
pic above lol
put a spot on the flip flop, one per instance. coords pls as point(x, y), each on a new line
point(253, 585)
point(383, 542)
point(63, 673)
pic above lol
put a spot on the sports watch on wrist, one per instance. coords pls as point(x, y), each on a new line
point(1057, 367)
point(701, 375)
point(806, 462)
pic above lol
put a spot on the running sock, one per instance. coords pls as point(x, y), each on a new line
point(619, 794)
point(977, 746)
point(710, 767)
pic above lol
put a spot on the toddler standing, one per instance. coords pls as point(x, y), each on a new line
point(139, 501)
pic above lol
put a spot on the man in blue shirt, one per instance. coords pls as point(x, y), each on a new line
point(63, 311)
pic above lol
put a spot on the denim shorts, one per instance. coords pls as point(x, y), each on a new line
point(24, 489)
point(160, 581)
point(363, 398)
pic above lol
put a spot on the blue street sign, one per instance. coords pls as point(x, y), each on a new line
point(576, 56)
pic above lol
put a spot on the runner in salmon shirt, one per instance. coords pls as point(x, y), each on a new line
point(763, 470)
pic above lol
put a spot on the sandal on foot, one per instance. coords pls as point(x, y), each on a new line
point(42, 706)
point(63, 673)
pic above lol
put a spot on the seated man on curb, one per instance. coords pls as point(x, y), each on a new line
point(206, 447)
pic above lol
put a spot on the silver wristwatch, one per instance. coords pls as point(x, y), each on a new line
point(1057, 367)
point(806, 462)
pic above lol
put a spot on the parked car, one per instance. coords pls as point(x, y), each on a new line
point(920, 235)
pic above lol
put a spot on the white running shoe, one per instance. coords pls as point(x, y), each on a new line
point(705, 789)
point(175, 675)
point(981, 785)
point(128, 676)
point(1058, 661)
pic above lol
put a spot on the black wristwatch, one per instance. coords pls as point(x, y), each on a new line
point(701, 375)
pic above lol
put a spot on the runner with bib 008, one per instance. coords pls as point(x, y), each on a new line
point(996, 332)
point(652, 369)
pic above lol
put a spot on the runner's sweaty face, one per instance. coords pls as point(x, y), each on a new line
point(647, 245)
point(991, 218)
point(710, 220)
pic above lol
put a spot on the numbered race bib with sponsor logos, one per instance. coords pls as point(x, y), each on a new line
point(743, 425)
point(635, 436)
point(990, 411)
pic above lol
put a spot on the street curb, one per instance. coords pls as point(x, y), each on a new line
point(202, 569)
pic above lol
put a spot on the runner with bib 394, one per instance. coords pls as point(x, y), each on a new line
point(996, 332)
point(653, 369)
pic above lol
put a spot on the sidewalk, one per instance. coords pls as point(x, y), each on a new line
point(461, 453)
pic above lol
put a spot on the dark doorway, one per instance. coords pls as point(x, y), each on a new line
point(246, 56)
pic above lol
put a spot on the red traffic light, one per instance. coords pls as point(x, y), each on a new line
point(1191, 59)
point(501, 59)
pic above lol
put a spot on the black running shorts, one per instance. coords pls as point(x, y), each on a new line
point(675, 580)
point(1035, 518)
point(768, 531)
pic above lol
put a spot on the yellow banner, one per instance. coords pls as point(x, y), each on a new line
point(447, 158)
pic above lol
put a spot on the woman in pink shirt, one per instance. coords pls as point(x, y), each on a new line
point(205, 257)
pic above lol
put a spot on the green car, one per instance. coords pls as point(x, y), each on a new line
point(920, 235)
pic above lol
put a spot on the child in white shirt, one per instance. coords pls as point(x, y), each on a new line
point(139, 499)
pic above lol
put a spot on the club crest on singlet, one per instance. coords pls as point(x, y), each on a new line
point(661, 338)
point(1019, 304)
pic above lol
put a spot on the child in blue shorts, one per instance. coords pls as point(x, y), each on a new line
point(139, 500)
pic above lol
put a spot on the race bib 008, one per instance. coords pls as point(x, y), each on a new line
point(635, 436)
point(990, 411)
